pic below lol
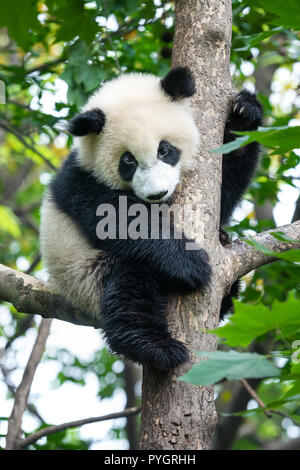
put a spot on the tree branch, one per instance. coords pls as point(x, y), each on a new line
point(268, 411)
point(245, 258)
point(229, 422)
point(72, 424)
point(254, 395)
point(31, 296)
point(13, 184)
point(46, 66)
point(131, 375)
point(15, 420)
point(12, 390)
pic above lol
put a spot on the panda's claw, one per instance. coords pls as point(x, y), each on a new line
point(225, 239)
point(247, 111)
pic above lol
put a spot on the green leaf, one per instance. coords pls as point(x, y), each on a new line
point(281, 236)
point(20, 17)
point(251, 321)
point(287, 12)
point(231, 365)
point(254, 40)
point(230, 146)
point(9, 222)
point(247, 323)
point(93, 78)
point(295, 369)
point(292, 255)
point(75, 20)
point(283, 139)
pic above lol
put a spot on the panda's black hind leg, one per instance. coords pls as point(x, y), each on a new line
point(133, 319)
point(227, 304)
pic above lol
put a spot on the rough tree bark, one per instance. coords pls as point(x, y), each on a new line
point(131, 376)
point(177, 415)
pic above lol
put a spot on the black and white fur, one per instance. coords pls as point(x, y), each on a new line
point(136, 137)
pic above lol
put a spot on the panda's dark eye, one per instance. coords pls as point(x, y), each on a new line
point(168, 153)
point(128, 159)
point(127, 166)
point(163, 149)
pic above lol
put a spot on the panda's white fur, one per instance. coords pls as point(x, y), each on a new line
point(74, 267)
point(139, 114)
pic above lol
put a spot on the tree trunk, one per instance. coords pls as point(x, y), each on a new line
point(177, 415)
point(131, 376)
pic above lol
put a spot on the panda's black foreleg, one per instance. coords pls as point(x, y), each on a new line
point(238, 166)
point(133, 319)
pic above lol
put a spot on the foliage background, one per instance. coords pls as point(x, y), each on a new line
point(53, 55)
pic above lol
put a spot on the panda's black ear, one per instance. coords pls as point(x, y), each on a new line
point(179, 83)
point(89, 122)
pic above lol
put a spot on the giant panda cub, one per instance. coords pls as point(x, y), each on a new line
point(135, 137)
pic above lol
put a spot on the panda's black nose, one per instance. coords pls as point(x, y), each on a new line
point(156, 197)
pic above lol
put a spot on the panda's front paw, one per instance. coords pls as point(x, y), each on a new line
point(224, 238)
point(200, 267)
point(194, 272)
point(246, 111)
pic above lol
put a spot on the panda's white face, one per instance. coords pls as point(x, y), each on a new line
point(156, 183)
point(148, 141)
point(152, 179)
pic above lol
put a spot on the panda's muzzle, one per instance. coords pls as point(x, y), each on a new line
point(158, 196)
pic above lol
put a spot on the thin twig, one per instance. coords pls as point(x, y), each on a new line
point(22, 326)
point(12, 390)
point(13, 184)
point(21, 139)
point(34, 264)
point(46, 66)
point(30, 208)
point(254, 395)
point(268, 412)
point(22, 392)
point(72, 424)
point(17, 103)
point(26, 220)
point(284, 415)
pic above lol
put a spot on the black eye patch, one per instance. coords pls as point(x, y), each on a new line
point(127, 166)
point(168, 153)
